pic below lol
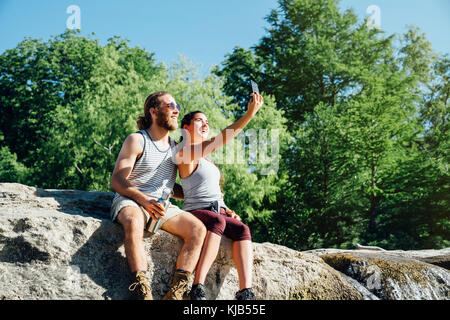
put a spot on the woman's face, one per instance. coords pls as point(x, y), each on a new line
point(199, 128)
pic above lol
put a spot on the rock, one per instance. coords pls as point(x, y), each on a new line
point(439, 258)
point(391, 277)
point(61, 244)
point(374, 248)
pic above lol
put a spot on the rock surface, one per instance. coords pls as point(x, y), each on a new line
point(393, 277)
point(60, 244)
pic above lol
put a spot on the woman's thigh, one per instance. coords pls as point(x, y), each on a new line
point(212, 221)
point(236, 230)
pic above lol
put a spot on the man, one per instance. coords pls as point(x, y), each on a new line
point(144, 168)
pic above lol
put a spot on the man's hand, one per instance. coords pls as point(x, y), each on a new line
point(154, 209)
point(232, 214)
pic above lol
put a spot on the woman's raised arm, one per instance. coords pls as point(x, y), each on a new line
point(192, 152)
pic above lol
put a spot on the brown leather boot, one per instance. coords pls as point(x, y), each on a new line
point(141, 283)
point(179, 286)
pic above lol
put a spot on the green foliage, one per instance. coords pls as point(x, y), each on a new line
point(368, 116)
point(10, 169)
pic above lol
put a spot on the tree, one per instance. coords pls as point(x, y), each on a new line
point(10, 169)
point(312, 53)
point(360, 120)
point(70, 103)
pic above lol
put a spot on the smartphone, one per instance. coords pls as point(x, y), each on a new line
point(254, 87)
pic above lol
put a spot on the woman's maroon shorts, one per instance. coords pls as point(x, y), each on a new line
point(221, 224)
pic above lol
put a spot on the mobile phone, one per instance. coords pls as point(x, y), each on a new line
point(254, 87)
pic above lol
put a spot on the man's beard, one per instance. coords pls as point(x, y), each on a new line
point(166, 122)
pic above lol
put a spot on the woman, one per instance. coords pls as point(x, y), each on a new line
point(200, 179)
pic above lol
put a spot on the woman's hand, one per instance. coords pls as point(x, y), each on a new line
point(255, 103)
point(232, 214)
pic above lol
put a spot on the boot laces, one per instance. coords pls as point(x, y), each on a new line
point(141, 283)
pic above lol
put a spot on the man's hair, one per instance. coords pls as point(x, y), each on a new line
point(152, 101)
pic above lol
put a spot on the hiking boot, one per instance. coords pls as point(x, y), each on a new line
point(245, 294)
point(197, 292)
point(179, 286)
point(141, 286)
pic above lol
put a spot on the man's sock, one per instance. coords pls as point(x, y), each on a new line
point(181, 271)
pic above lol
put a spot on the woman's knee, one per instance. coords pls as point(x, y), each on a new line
point(244, 232)
point(239, 232)
point(217, 224)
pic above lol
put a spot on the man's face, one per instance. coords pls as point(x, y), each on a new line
point(165, 116)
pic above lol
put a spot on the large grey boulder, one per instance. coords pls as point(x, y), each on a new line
point(395, 274)
point(61, 244)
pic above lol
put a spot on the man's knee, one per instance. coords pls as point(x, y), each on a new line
point(198, 233)
point(131, 219)
point(187, 227)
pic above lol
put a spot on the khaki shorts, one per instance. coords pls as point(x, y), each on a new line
point(122, 202)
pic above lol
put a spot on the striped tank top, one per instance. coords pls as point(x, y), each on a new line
point(155, 169)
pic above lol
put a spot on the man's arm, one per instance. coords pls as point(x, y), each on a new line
point(131, 149)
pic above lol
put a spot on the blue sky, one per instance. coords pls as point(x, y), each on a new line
point(204, 31)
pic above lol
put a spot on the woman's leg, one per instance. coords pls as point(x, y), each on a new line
point(215, 225)
point(207, 257)
point(243, 258)
point(242, 250)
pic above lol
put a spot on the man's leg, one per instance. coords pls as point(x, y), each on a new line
point(132, 220)
point(193, 233)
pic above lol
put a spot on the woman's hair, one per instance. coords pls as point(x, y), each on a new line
point(152, 101)
point(188, 118)
point(187, 121)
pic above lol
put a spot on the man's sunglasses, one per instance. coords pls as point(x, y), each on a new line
point(172, 106)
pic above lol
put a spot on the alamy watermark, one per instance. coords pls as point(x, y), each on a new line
point(373, 282)
point(73, 22)
point(375, 17)
point(73, 277)
point(258, 148)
